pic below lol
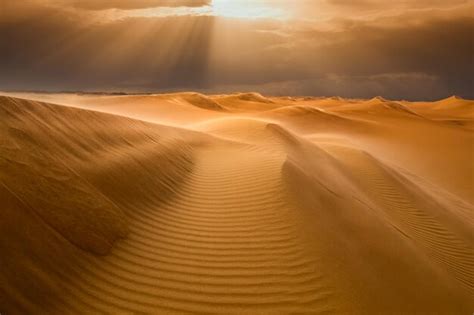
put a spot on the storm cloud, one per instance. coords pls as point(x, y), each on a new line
point(401, 54)
point(135, 4)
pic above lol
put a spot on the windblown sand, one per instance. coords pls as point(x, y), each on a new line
point(235, 204)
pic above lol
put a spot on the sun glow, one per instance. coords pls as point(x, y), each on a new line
point(241, 9)
point(245, 9)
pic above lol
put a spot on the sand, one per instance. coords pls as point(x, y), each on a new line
point(235, 204)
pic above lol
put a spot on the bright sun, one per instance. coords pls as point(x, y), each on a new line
point(245, 9)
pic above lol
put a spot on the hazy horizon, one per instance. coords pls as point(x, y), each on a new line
point(18, 93)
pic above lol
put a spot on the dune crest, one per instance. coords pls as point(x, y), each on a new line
point(235, 204)
point(201, 101)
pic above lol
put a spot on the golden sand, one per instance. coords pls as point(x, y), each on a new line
point(235, 204)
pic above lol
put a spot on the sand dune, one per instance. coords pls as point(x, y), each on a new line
point(235, 204)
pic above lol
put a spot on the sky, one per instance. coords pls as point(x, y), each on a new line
point(399, 49)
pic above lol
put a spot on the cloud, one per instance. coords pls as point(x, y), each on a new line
point(438, 49)
point(427, 56)
point(130, 5)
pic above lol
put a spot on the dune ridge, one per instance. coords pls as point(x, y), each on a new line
point(234, 204)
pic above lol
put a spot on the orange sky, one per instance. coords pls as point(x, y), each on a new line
point(360, 48)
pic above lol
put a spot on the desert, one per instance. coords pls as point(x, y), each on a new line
point(235, 204)
point(236, 157)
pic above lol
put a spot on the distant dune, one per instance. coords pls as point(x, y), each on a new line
point(235, 204)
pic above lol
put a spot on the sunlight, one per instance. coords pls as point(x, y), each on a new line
point(245, 9)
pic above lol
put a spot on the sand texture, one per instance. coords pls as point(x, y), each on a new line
point(235, 204)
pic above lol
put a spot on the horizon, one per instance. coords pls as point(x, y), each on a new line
point(121, 93)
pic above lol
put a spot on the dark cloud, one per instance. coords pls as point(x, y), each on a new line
point(364, 4)
point(425, 57)
point(135, 4)
point(428, 59)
